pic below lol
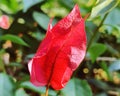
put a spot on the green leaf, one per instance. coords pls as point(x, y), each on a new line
point(2, 67)
point(96, 50)
point(77, 87)
point(102, 94)
point(105, 68)
point(38, 35)
point(52, 10)
point(102, 7)
point(21, 92)
point(115, 66)
point(13, 64)
point(14, 39)
point(30, 86)
point(113, 17)
point(27, 4)
point(112, 29)
point(99, 84)
point(111, 24)
point(42, 19)
point(68, 3)
point(112, 50)
point(6, 85)
point(10, 6)
point(116, 32)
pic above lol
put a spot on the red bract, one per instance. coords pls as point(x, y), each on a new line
point(4, 22)
point(60, 53)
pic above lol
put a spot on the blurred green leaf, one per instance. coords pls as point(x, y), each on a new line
point(15, 64)
point(112, 23)
point(68, 3)
point(21, 92)
point(102, 94)
point(90, 26)
point(116, 32)
point(30, 55)
point(115, 66)
point(10, 6)
point(42, 19)
point(30, 3)
point(14, 39)
point(96, 50)
point(6, 85)
point(112, 50)
point(1, 64)
point(53, 8)
point(38, 35)
point(113, 17)
point(105, 68)
point(1, 60)
point(77, 87)
point(111, 29)
point(102, 7)
point(30, 86)
point(99, 84)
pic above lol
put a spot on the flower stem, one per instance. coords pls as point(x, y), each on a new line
point(47, 89)
point(95, 31)
point(86, 16)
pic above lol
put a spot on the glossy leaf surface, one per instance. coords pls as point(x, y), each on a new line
point(60, 53)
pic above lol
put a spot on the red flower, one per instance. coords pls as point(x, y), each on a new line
point(4, 22)
point(60, 53)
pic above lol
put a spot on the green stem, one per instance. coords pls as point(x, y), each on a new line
point(96, 30)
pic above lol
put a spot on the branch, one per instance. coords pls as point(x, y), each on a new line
point(96, 30)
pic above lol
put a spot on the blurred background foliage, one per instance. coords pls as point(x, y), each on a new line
point(99, 73)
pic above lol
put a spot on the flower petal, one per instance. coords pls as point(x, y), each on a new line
point(71, 49)
point(36, 68)
point(60, 53)
point(4, 22)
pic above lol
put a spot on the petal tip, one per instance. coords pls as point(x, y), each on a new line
point(30, 66)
